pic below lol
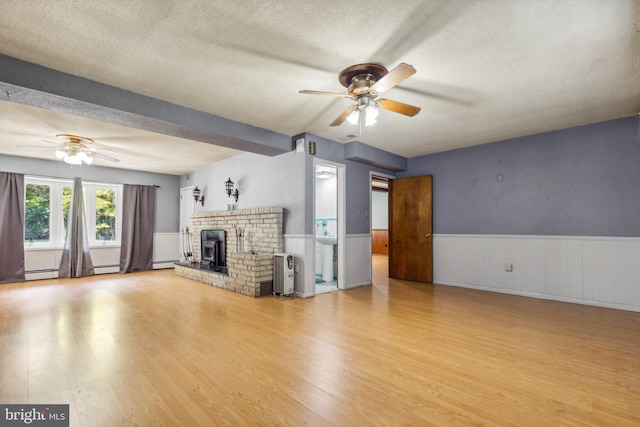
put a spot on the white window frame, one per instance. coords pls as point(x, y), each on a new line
point(56, 218)
point(90, 211)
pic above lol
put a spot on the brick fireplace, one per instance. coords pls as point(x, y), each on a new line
point(249, 257)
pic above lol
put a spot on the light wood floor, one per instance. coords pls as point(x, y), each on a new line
point(156, 349)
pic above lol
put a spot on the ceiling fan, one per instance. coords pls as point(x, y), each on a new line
point(75, 149)
point(365, 83)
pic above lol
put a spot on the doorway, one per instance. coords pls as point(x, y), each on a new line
point(379, 198)
point(328, 226)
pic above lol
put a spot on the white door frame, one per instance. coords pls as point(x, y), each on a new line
point(341, 171)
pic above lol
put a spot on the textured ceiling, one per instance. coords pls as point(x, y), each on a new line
point(486, 70)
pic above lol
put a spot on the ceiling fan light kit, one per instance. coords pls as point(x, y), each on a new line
point(76, 150)
point(73, 158)
point(365, 83)
point(365, 110)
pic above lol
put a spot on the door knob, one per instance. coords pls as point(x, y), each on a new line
point(426, 236)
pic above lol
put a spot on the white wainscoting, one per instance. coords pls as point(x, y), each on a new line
point(106, 259)
point(166, 250)
point(44, 263)
point(357, 260)
point(41, 263)
point(600, 271)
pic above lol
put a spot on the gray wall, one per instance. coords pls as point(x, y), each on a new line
point(583, 181)
point(262, 181)
point(358, 184)
point(286, 180)
point(168, 195)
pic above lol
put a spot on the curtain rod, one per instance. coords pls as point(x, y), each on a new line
point(83, 180)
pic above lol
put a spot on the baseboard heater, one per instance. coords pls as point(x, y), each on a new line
point(46, 270)
point(51, 270)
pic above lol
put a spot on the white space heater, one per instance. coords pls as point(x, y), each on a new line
point(283, 269)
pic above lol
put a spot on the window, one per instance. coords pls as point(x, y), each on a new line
point(47, 203)
point(103, 208)
point(37, 213)
point(46, 211)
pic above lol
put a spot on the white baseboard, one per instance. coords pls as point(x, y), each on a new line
point(41, 275)
point(164, 265)
point(304, 295)
point(543, 296)
point(356, 285)
point(106, 270)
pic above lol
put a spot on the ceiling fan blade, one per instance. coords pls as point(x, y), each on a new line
point(102, 156)
point(318, 92)
point(101, 148)
point(39, 146)
point(342, 117)
point(398, 107)
point(397, 75)
point(52, 142)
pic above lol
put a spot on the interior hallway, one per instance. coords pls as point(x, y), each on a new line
point(380, 271)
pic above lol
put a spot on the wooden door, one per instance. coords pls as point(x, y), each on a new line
point(410, 229)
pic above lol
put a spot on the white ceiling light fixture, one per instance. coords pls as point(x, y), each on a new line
point(73, 157)
point(76, 150)
point(370, 115)
point(354, 117)
point(366, 110)
point(324, 172)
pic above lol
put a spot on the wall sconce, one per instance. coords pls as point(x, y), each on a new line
point(230, 191)
point(197, 197)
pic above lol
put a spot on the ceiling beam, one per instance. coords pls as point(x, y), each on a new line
point(38, 86)
point(363, 153)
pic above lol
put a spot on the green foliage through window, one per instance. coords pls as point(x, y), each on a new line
point(48, 207)
point(105, 214)
point(37, 213)
point(67, 192)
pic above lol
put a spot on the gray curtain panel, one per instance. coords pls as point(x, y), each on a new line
point(76, 259)
point(138, 224)
point(11, 227)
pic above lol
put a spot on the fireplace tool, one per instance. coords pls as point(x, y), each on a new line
point(239, 240)
point(186, 245)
